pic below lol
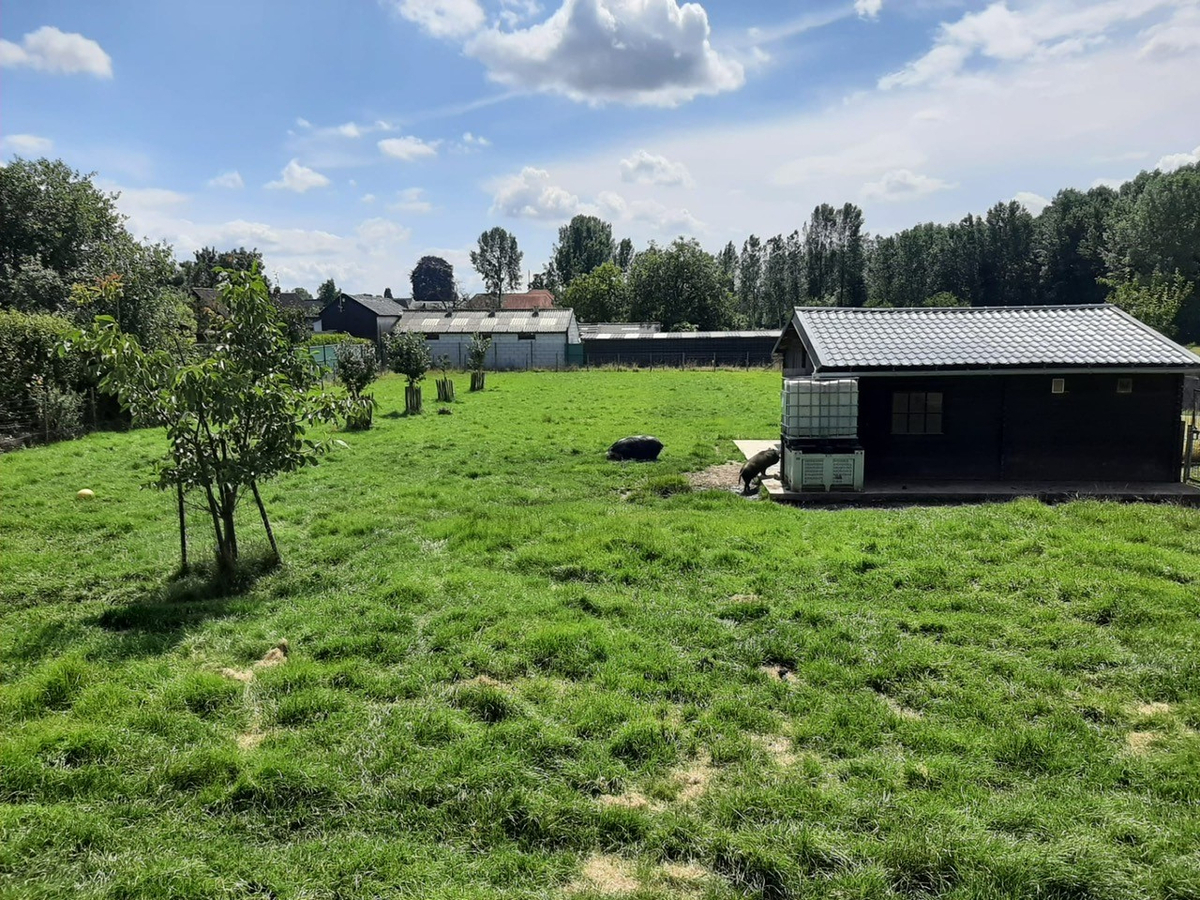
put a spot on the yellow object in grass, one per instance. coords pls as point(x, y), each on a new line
point(85, 494)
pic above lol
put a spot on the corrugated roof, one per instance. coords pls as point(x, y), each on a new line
point(637, 328)
point(381, 306)
point(547, 321)
point(842, 339)
point(671, 335)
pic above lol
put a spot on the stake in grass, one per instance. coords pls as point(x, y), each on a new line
point(233, 418)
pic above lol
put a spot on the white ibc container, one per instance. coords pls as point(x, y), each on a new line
point(820, 409)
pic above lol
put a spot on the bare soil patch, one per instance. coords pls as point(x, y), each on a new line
point(721, 477)
point(605, 874)
point(1139, 742)
point(777, 673)
point(629, 800)
point(778, 748)
point(904, 712)
point(694, 779)
point(1149, 710)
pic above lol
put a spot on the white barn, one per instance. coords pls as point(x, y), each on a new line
point(521, 339)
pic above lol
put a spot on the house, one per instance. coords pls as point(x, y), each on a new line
point(646, 344)
point(535, 299)
point(1004, 394)
point(309, 307)
point(361, 315)
point(534, 339)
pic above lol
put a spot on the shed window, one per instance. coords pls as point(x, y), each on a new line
point(917, 412)
point(433, 337)
point(1058, 385)
point(1124, 385)
point(526, 336)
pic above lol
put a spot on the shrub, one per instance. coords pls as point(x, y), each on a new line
point(29, 364)
point(358, 367)
point(408, 355)
point(328, 338)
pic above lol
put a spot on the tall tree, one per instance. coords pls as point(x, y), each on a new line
point(624, 255)
point(602, 295)
point(302, 293)
point(328, 291)
point(202, 270)
point(433, 279)
point(776, 285)
point(1069, 246)
point(498, 262)
point(679, 286)
point(727, 263)
point(749, 282)
point(583, 244)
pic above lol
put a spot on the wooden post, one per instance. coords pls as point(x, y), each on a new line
point(477, 380)
point(412, 399)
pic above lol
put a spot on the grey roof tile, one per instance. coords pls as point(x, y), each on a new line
point(982, 337)
point(547, 321)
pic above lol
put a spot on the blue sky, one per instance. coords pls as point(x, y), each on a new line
point(348, 139)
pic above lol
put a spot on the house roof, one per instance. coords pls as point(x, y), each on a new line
point(973, 338)
point(381, 306)
point(608, 329)
point(311, 306)
point(535, 299)
point(551, 321)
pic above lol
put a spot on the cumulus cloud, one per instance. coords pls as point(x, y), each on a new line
point(647, 168)
point(868, 9)
point(530, 195)
point(298, 178)
point(1035, 31)
point(27, 144)
point(902, 184)
point(443, 18)
point(1035, 203)
point(51, 50)
point(412, 200)
point(475, 140)
point(407, 148)
point(231, 180)
point(647, 52)
point(1178, 161)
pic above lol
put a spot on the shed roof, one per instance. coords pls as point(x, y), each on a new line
point(381, 306)
point(673, 335)
point(969, 338)
point(641, 329)
point(547, 321)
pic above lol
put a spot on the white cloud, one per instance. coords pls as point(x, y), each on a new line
point(475, 140)
point(868, 9)
point(902, 184)
point(1035, 203)
point(27, 144)
point(408, 148)
point(443, 18)
point(1114, 183)
point(530, 195)
point(1177, 36)
point(648, 52)
point(51, 50)
point(412, 200)
point(368, 198)
point(232, 180)
point(1178, 160)
point(1031, 32)
point(646, 168)
point(665, 219)
point(303, 123)
point(349, 130)
point(298, 178)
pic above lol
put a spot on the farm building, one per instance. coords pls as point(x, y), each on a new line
point(635, 344)
point(361, 315)
point(535, 299)
point(1005, 394)
point(535, 339)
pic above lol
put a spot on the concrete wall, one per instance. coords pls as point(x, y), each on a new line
point(508, 351)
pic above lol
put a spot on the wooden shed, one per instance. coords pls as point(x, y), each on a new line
point(361, 315)
point(1030, 394)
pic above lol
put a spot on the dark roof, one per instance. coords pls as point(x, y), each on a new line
point(311, 306)
point(535, 299)
point(971, 338)
point(550, 321)
point(619, 328)
point(381, 306)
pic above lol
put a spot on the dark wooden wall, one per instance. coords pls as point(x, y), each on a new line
point(350, 318)
point(1013, 428)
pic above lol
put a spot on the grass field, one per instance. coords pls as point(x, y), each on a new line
point(519, 670)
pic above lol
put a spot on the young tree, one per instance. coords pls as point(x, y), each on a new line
point(498, 262)
point(433, 279)
point(477, 358)
point(584, 244)
point(357, 367)
point(1155, 301)
point(600, 296)
point(234, 418)
point(408, 355)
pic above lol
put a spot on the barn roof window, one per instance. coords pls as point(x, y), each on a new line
point(1058, 385)
point(1124, 385)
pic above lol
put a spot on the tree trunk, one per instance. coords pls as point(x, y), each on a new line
point(262, 511)
point(445, 390)
point(477, 380)
point(412, 399)
point(183, 560)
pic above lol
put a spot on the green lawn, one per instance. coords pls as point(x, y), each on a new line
point(519, 670)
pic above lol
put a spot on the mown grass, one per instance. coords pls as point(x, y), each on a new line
point(510, 657)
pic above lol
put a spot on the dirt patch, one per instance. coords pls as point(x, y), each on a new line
point(778, 748)
point(605, 874)
point(693, 781)
point(1150, 710)
point(687, 876)
point(487, 680)
point(1139, 742)
point(900, 710)
point(276, 656)
point(721, 477)
point(629, 800)
point(778, 673)
point(745, 598)
point(242, 675)
point(250, 739)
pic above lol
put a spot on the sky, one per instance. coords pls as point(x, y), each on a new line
point(348, 139)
